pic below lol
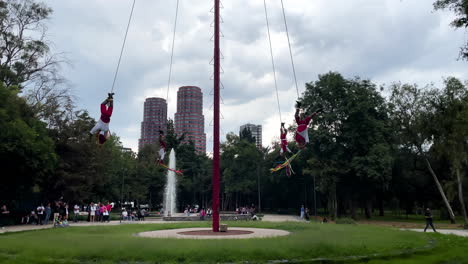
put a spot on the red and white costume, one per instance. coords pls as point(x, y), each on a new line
point(302, 134)
point(162, 148)
point(103, 123)
point(284, 141)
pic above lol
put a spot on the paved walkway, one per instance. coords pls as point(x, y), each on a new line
point(463, 233)
point(19, 228)
point(176, 233)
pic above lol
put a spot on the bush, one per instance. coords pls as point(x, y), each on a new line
point(346, 221)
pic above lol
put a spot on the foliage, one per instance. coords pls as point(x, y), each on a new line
point(460, 8)
point(26, 151)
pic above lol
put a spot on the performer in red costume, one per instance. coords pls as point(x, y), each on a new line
point(162, 147)
point(284, 141)
point(302, 133)
point(102, 125)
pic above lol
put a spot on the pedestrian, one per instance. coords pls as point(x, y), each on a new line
point(4, 213)
point(40, 214)
point(48, 212)
point(302, 212)
point(428, 216)
point(202, 214)
point(66, 211)
point(92, 210)
point(76, 212)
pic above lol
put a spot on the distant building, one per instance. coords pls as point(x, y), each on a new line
point(256, 131)
point(154, 119)
point(189, 117)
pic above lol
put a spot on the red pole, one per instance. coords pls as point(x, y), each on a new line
point(216, 121)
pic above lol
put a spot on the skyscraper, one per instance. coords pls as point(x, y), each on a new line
point(189, 118)
point(256, 131)
point(154, 119)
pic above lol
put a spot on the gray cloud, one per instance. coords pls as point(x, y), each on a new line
point(384, 40)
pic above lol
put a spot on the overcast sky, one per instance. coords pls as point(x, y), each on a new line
point(381, 40)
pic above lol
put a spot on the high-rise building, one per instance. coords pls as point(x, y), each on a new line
point(256, 131)
point(189, 118)
point(154, 119)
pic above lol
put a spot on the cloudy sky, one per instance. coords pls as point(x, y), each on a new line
point(382, 40)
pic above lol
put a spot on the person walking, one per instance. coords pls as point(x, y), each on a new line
point(428, 216)
point(48, 213)
point(76, 212)
point(4, 213)
point(40, 214)
point(302, 212)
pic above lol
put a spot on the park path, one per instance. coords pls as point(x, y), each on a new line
point(463, 233)
point(19, 228)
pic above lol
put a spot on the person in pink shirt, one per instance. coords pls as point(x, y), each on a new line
point(102, 125)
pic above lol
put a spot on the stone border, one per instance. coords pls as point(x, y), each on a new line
point(174, 233)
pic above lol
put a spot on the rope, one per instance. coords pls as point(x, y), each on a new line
point(290, 50)
point(172, 51)
point(272, 59)
point(123, 46)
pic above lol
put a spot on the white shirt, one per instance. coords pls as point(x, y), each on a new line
point(76, 209)
point(40, 210)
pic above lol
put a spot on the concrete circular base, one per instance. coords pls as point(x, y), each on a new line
point(206, 233)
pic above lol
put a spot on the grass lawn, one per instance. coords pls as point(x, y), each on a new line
point(116, 244)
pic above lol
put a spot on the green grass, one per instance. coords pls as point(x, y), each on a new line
point(116, 244)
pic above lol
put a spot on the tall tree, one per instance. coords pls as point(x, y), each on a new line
point(450, 133)
point(27, 61)
point(26, 151)
point(413, 115)
point(460, 8)
point(351, 142)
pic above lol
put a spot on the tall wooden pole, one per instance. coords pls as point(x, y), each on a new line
point(216, 121)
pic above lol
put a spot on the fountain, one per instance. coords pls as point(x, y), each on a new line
point(170, 191)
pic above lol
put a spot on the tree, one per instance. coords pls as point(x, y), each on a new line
point(450, 133)
point(26, 60)
point(460, 8)
point(351, 145)
point(412, 115)
point(26, 151)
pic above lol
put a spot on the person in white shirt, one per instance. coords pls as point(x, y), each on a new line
point(76, 212)
point(40, 214)
point(124, 215)
point(92, 210)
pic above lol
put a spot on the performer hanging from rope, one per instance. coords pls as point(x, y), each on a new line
point(302, 133)
point(102, 125)
point(162, 147)
point(284, 141)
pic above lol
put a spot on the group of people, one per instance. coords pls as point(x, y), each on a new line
point(99, 212)
point(133, 215)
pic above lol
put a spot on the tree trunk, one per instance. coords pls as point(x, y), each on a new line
point(381, 206)
point(368, 209)
point(460, 197)
point(352, 205)
point(439, 187)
